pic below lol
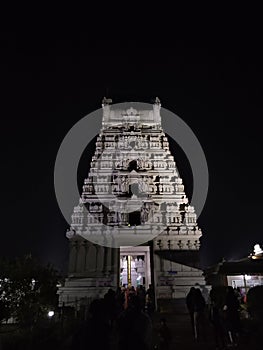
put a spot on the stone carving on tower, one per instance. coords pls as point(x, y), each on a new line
point(133, 182)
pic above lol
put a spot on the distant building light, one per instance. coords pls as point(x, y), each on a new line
point(33, 283)
point(50, 313)
point(247, 277)
point(257, 249)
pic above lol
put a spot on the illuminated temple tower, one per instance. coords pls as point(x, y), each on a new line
point(133, 190)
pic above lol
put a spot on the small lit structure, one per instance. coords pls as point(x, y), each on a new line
point(257, 253)
point(244, 273)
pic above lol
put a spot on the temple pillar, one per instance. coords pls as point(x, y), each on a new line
point(81, 257)
point(108, 259)
point(72, 256)
point(100, 259)
point(91, 258)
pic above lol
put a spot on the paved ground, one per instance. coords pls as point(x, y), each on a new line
point(178, 321)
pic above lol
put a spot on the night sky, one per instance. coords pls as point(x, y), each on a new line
point(50, 79)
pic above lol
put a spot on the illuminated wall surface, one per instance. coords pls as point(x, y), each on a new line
point(244, 281)
point(133, 189)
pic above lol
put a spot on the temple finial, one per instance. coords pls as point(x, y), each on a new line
point(157, 101)
point(106, 101)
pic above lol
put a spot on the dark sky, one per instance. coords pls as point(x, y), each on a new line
point(50, 79)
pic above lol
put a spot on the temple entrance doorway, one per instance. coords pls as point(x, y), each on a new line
point(135, 267)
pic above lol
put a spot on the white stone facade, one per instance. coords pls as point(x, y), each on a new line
point(132, 166)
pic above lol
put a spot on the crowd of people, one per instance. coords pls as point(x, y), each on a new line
point(222, 310)
point(124, 314)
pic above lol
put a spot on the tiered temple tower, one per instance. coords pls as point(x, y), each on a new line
point(133, 190)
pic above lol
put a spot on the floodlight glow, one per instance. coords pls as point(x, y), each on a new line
point(50, 313)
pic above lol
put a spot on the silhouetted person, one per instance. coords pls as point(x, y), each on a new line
point(199, 314)
point(150, 301)
point(232, 320)
point(196, 306)
point(119, 301)
point(141, 295)
point(95, 333)
point(216, 317)
point(110, 305)
point(134, 327)
point(190, 303)
point(164, 335)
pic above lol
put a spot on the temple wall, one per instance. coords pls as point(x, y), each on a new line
point(133, 186)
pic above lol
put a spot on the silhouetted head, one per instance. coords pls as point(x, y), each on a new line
point(111, 291)
point(198, 292)
point(230, 290)
point(95, 307)
point(134, 303)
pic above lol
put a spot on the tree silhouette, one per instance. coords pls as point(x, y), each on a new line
point(27, 290)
